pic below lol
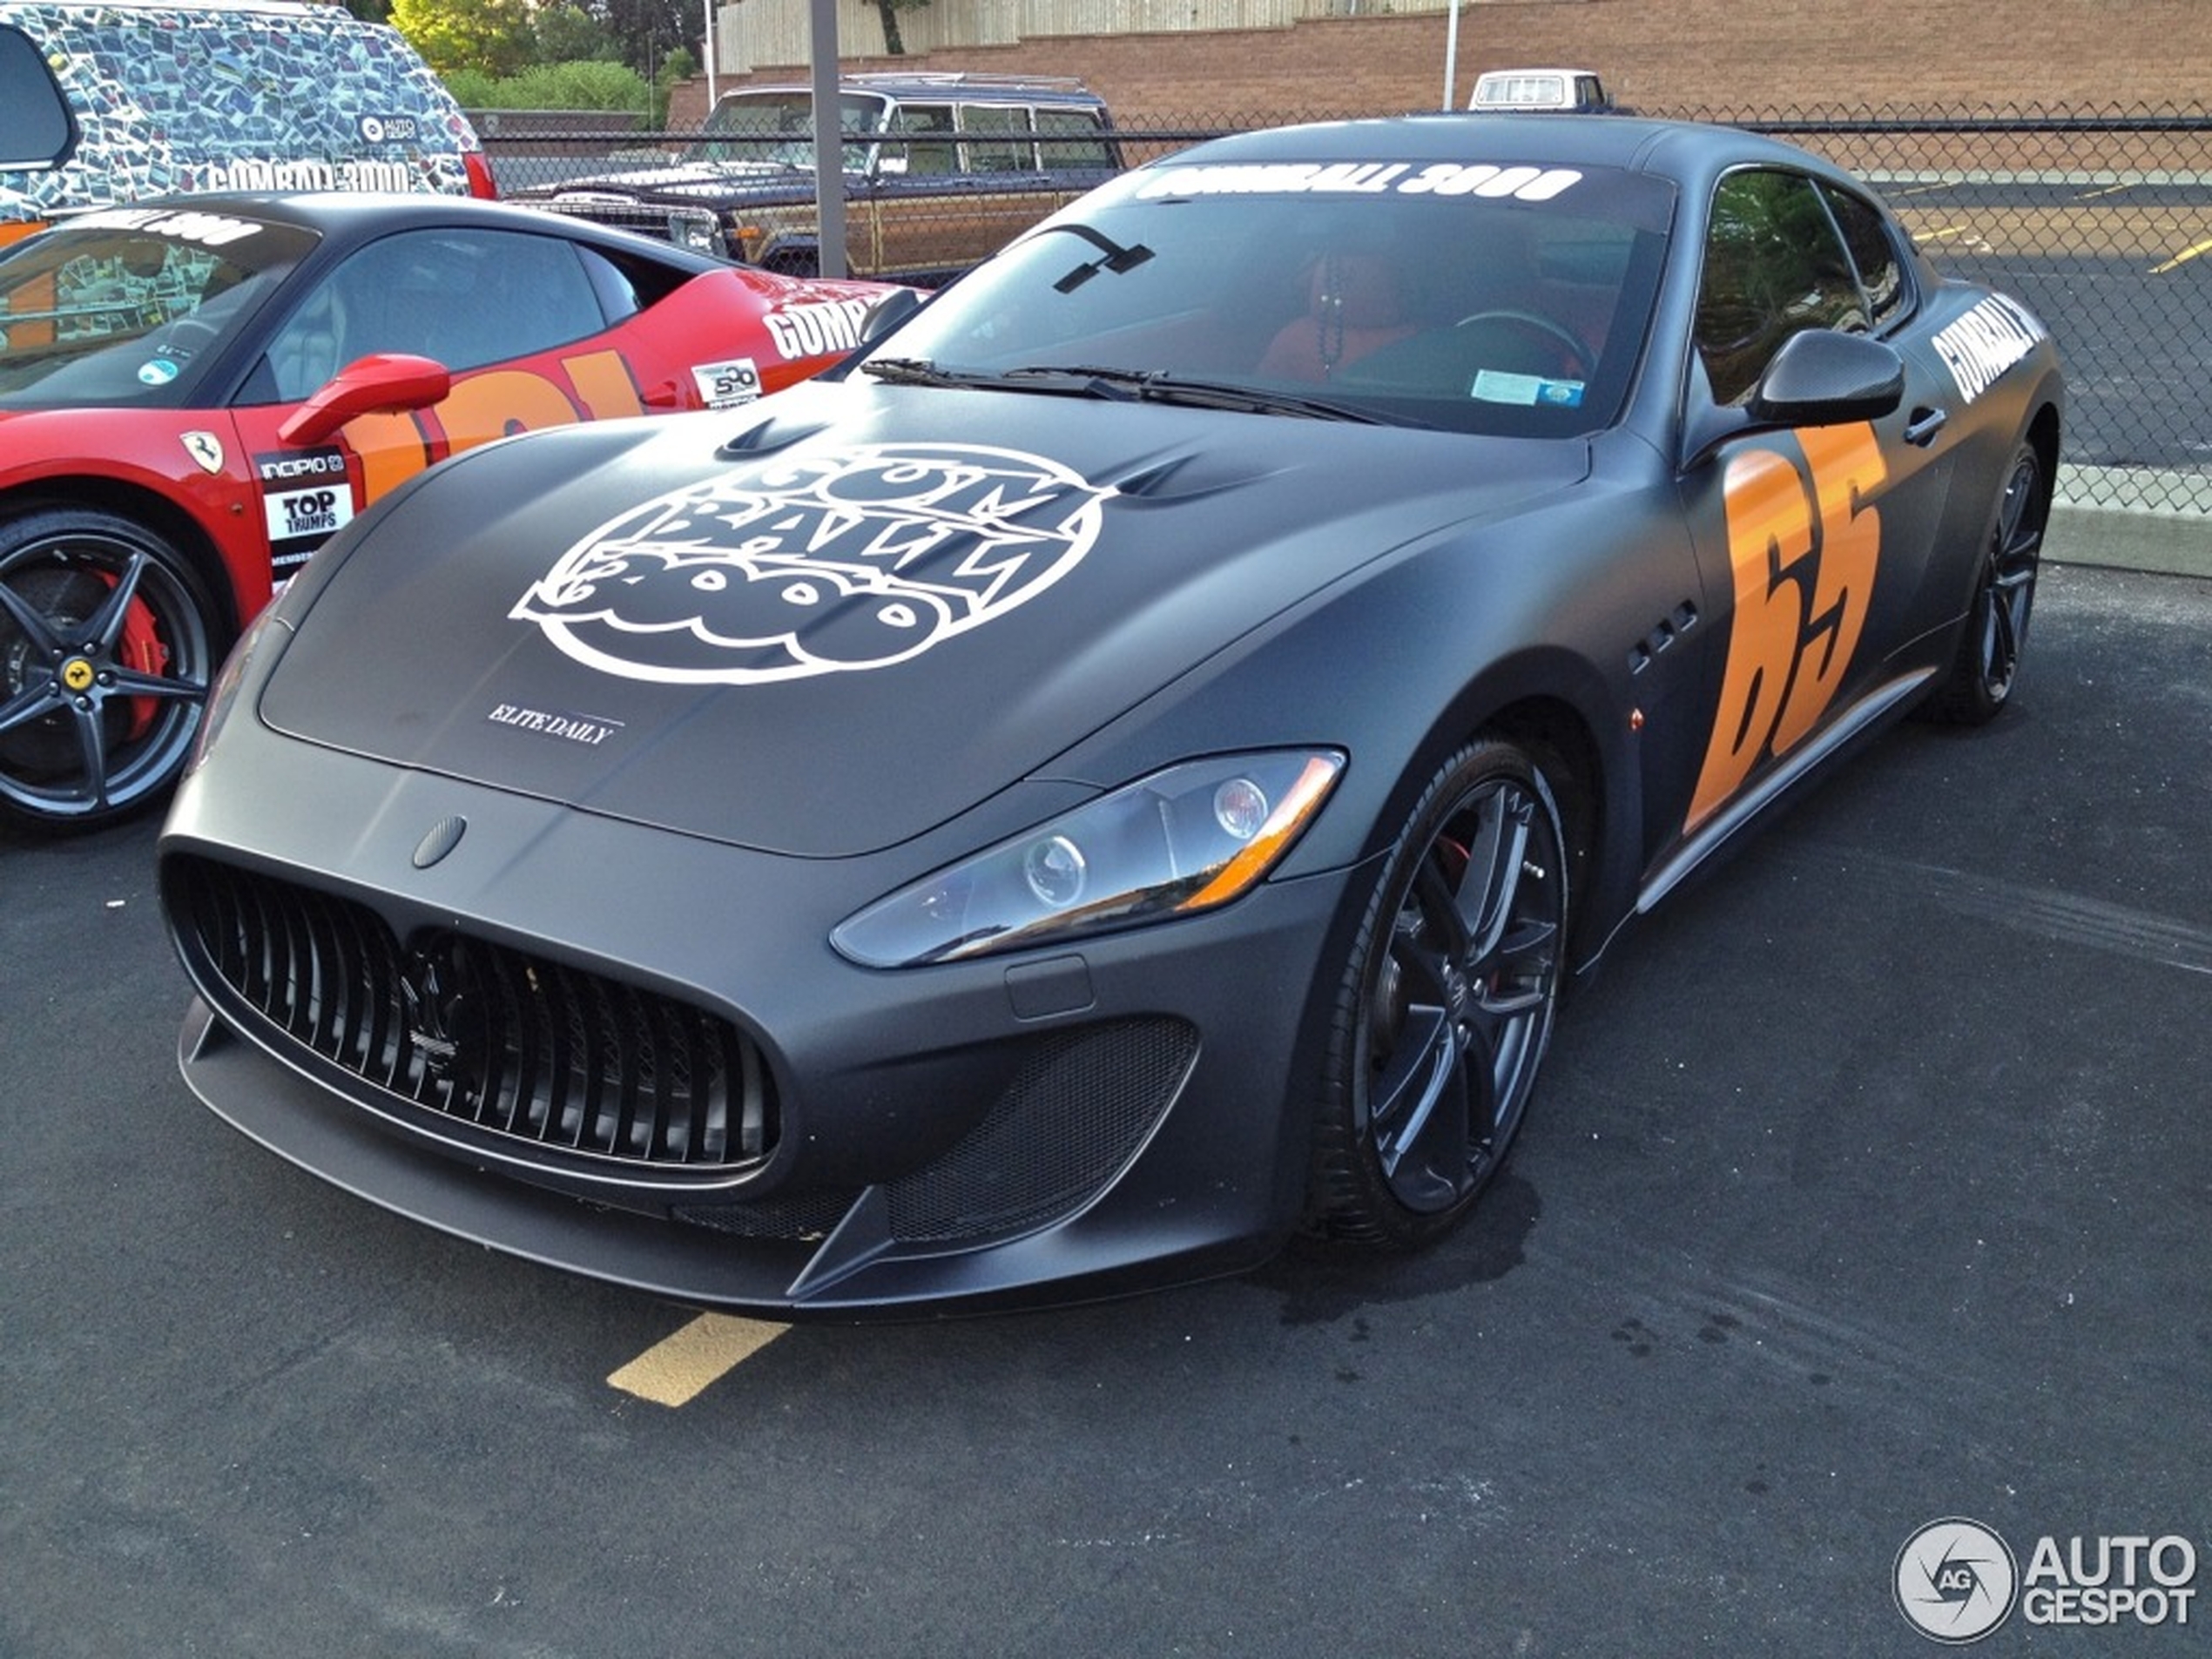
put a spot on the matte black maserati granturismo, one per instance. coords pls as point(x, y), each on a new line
point(1124, 769)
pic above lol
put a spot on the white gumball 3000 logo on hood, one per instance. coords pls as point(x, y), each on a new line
point(818, 562)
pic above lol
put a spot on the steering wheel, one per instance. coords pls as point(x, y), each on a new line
point(1578, 355)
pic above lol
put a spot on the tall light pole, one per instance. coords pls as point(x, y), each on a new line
point(707, 6)
point(1450, 54)
point(829, 150)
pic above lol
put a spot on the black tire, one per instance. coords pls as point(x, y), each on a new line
point(1981, 676)
point(1445, 1006)
point(108, 643)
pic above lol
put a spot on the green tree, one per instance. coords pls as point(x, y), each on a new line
point(494, 36)
point(586, 84)
point(649, 30)
point(566, 33)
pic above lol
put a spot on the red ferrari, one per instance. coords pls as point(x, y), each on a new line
point(195, 394)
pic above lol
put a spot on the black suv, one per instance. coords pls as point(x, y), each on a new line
point(939, 170)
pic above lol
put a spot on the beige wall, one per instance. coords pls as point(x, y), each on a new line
point(1667, 55)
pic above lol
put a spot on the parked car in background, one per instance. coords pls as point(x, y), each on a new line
point(196, 393)
point(1124, 767)
point(939, 169)
point(106, 104)
point(1504, 91)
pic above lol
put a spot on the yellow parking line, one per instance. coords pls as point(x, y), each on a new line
point(2183, 257)
point(2110, 190)
point(674, 1370)
point(1948, 230)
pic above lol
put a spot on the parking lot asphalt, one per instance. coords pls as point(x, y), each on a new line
point(1869, 1184)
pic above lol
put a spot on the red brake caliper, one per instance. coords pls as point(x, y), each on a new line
point(141, 650)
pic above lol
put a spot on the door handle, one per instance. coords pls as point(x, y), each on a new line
point(1921, 429)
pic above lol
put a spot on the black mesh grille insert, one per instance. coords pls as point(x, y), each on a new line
point(512, 1044)
point(1076, 1113)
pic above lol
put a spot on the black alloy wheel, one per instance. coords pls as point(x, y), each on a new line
point(1981, 676)
point(1446, 1006)
point(108, 643)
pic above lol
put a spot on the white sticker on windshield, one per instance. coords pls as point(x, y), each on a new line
point(1532, 391)
point(208, 230)
point(1481, 180)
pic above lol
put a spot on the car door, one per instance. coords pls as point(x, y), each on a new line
point(1813, 543)
point(523, 323)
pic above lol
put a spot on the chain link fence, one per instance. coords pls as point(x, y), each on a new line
point(2100, 221)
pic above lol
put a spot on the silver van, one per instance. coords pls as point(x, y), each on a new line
point(104, 102)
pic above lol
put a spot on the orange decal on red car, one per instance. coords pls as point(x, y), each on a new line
point(496, 404)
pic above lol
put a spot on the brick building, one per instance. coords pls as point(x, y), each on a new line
point(1670, 56)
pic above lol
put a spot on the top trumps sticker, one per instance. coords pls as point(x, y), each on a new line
point(817, 563)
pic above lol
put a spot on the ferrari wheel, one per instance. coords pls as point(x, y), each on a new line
point(1446, 1005)
point(107, 646)
point(1989, 651)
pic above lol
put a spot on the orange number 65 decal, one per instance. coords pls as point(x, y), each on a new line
point(1803, 545)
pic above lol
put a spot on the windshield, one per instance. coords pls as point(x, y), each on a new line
point(776, 128)
point(1472, 298)
point(126, 308)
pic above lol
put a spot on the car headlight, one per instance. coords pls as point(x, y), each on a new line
point(223, 694)
point(1187, 840)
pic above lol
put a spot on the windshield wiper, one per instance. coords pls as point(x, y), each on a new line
point(1124, 386)
point(1157, 386)
point(919, 371)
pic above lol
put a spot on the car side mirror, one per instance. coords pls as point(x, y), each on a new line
point(888, 314)
point(1822, 378)
point(382, 383)
point(1818, 378)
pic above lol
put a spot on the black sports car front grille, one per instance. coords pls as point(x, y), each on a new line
point(514, 1044)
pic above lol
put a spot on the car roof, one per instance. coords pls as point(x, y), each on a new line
point(967, 86)
point(1686, 151)
point(273, 8)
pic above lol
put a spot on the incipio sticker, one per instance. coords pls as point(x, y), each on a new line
point(1530, 391)
point(306, 499)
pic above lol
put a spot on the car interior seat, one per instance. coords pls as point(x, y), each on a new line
point(1356, 303)
point(310, 348)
